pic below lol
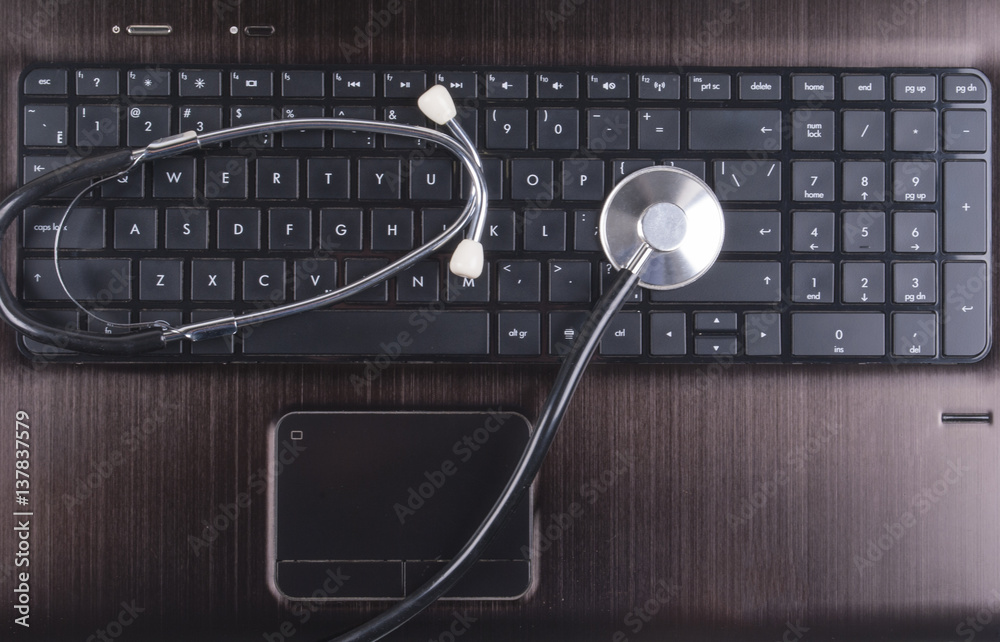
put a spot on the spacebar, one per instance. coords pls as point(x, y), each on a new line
point(371, 332)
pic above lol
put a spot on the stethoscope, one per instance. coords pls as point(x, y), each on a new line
point(661, 227)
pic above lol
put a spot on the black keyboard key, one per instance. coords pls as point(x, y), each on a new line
point(544, 230)
point(569, 281)
point(864, 87)
point(379, 179)
point(864, 282)
point(667, 334)
point(965, 317)
point(251, 82)
point(557, 85)
point(340, 229)
point(419, 283)
point(212, 280)
point(131, 185)
point(914, 334)
point(812, 231)
point(760, 87)
point(135, 228)
point(864, 231)
point(499, 233)
point(405, 115)
point(350, 139)
point(914, 283)
point(97, 82)
point(328, 178)
point(963, 88)
point(460, 84)
point(507, 128)
point(914, 232)
point(734, 129)
point(249, 115)
point(174, 177)
point(812, 87)
point(46, 125)
point(583, 180)
point(357, 269)
point(392, 229)
point(277, 178)
point(864, 181)
point(186, 228)
point(172, 317)
point(838, 334)
point(914, 181)
point(813, 181)
point(430, 179)
point(518, 281)
point(531, 180)
point(965, 212)
point(608, 129)
point(762, 334)
point(965, 130)
point(623, 336)
point(730, 282)
point(621, 168)
point(225, 177)
point(405, 84)
point(161, 279)
point(659, 86)
point(812, 282)
point(303, 84)
point(659, 129)
point(200, 82)
point(715, 322)
point(107, 318)
point(264, 280)
point(914, 88)
point(437, 220)
point(564, 329)
point(200, 119)
point(304, 138)
point(46, 82)
point(147, 123)
point(507, 84)
point(289, 228)
point(152, 81)
point(83, 229)
point(463, 290)
point(813, 130)
point(219, 345)
point(585, 231)
point(709, 86)
point(608, 274)
point(716, 346)
point(914, 131)
point(519, 333)
point(734, 180)
point(238, 228)
point(752, 231)
point(314, 277)
point(88, 279)
point(354, 84)
point(864, 131)
point(607, 85)
point(97, 126)
point(558, 129)
point(361, 332)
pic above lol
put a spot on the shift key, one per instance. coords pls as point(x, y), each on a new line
point(735, 129)
point(86, 279)
point(729, 282)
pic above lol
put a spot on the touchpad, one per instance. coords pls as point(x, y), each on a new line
point(370, 505)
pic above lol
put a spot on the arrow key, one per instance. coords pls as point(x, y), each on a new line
point(914, 231)
point(812, 231)
point(711, 346)
point(715, 321)
point(864, 282)
point(762, 333)
point(667, 335)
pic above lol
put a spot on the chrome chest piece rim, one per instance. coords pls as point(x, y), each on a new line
point(672, 211)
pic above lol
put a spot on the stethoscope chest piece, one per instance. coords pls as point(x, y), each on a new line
point(673, 212)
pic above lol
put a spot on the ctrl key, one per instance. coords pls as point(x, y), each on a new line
point(838, 334)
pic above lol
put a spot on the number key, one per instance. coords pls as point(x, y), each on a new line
point(864, 181)
point(812, 231)
point(864, 282)
point(914, 283)
point(558, 129)
point(864, 231)
point(914, 181)
point(914, 231)
point(147, 123)
point(507, 129)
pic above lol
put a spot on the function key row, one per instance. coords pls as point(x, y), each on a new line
point(314, 83)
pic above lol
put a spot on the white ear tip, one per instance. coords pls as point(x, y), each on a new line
point(467, 260)
point(436, 103)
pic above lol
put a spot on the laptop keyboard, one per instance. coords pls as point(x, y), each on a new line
point(856, 207)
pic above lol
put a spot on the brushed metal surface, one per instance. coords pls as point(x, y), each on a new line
point(714, 502)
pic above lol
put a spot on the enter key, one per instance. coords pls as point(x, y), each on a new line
point(966, 331)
